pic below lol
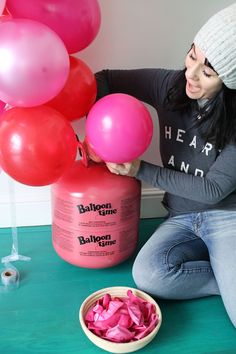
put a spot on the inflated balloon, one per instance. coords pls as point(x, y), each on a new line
point(2, 5)
point(37, 145)
point(34, 63)
point(119, 128)
point(79, 93)
point(77, 22)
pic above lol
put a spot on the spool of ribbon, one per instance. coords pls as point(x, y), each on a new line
point(10, 278)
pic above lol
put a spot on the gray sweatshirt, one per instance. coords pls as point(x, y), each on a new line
point(195, 176)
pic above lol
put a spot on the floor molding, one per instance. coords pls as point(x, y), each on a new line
point(151, 203)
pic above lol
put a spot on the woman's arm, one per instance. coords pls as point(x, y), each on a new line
point(218, 183)
point(147, 85)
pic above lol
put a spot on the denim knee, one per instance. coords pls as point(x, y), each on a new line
point(153, 280)
point(173, 281)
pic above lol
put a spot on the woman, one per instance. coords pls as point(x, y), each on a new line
point(193, 253)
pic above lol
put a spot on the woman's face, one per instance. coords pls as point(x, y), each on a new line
point(202, 81)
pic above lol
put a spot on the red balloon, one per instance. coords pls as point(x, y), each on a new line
point(76, 22)
point(79, 93)
point(37, 145)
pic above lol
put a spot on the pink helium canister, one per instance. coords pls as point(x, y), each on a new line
point(95, 216)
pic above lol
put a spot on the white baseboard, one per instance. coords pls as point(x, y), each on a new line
point(34, 210)
point(151, 203)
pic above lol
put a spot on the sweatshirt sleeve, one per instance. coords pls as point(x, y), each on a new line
point(147, 85)
point(218, 183)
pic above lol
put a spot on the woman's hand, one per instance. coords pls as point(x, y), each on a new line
point(125, 169)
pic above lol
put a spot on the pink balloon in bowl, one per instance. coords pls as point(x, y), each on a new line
point(119, 128)
point(2, 107)
point(2, 5)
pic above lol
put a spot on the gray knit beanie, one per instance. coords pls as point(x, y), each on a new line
point(217, 41)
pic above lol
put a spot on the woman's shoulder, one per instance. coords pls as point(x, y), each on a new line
point(167, 75)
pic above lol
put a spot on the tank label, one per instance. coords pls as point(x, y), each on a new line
point(94, 249)
point(107, 212)
point(102, 209)
point(102, 241)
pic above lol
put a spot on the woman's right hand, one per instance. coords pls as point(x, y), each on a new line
point(125, 169)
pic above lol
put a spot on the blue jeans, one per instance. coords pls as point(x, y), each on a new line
point(190, 256)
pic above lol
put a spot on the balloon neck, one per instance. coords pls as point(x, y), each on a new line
point(86, 153)
point(90, 153)
point(83, 153)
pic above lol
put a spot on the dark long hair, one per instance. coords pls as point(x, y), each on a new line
point(219, 123)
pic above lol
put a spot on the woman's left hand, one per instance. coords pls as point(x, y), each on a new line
point(125, 169)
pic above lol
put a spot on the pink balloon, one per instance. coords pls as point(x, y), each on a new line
point(2, 5)
point(34, 63)
point(119, 128)
point(2, 107)
point(77, 22)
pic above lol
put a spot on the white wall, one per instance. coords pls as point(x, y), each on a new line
point(134, 33)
